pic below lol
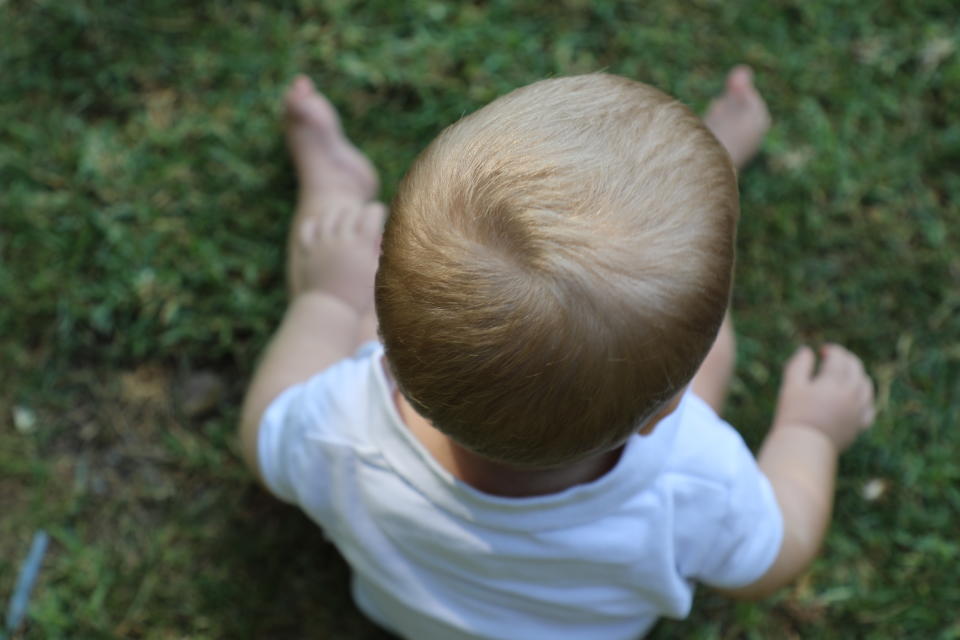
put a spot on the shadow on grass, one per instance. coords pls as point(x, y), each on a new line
point(286, 580)
point(156, 529)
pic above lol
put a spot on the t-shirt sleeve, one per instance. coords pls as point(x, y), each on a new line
point(280, 427)
point(750, 530)
point(306, 422)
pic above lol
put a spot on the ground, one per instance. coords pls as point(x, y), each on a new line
point(144, 196)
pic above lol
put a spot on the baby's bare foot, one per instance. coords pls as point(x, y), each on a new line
point(333, 241)
point(327, 164)
point(739, 118)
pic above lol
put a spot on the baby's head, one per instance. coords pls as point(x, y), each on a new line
point(556, 267)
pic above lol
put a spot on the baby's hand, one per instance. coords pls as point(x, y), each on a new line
point(838, 400)
point(336, 252)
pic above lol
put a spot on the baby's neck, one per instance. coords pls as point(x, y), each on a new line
point(494, 478)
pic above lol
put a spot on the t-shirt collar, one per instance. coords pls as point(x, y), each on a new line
point(641, 460)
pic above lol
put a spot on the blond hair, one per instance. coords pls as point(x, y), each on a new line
point(556, 267)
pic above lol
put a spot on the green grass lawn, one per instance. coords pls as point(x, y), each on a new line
point(144, 197)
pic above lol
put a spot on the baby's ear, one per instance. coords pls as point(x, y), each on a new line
point(648, 427)
point(668, 408)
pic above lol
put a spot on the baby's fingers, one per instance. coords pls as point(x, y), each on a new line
point(347, 214)
point(325, 224)
point(799, 367)
point(838, 362)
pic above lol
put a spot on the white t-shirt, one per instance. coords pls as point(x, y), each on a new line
point(433, 558)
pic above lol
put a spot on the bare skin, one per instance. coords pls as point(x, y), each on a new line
point(739, 117)
point(327, 163)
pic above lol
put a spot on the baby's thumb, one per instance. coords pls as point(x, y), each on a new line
point(799, 367)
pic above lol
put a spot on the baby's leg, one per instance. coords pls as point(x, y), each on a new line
point(333, 176)
point(712, 380)
point(739, 119)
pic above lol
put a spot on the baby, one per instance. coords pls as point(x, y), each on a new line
point(535, 451)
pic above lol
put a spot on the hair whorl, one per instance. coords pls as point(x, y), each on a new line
point(556, 266)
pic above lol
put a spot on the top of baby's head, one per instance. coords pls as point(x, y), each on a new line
point(556, 266)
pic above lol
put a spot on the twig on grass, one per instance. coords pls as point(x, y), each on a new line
point(25, 581)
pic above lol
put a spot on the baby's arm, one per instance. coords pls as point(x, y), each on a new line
point(333, 262)
point(818, 417)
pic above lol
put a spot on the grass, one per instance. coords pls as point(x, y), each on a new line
point(144, 194)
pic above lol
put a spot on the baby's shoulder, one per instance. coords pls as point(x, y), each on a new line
point(336, 404)
point(707, 448)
